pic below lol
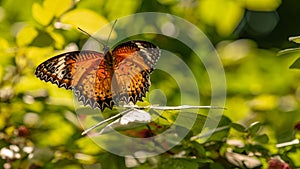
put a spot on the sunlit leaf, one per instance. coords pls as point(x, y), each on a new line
point(1, 73)
point(41, 15)
point(58, 7)
point(3, 45)
point(230, 19)
point(59, 40)
point(37, 54)
point(88, 146)
point(26, 35)
point(265, 5)
point(85, 19)
point(128, 7)
point(264, 102)
point(225, 15)
point(2, 121)
point(5, 55)
point(295, 157)
point(59, 131)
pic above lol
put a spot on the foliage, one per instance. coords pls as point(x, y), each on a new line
point(38, 125)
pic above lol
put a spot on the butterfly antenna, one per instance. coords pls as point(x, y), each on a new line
point(106, 46)
point(92, 37)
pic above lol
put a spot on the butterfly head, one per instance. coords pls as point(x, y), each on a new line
point(105, 49)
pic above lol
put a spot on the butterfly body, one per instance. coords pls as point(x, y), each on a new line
point(104, 79)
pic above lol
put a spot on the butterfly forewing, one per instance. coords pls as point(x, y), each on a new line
point(58, 70)
point(102, 80)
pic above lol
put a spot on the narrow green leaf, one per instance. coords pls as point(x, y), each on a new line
point(238, 127)
point(254, 128)
point(200, 149)
point(287, 52)
point(296, 64)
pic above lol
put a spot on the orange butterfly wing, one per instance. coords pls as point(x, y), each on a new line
point(134, 61)
point(81, 71)
point(104, 80)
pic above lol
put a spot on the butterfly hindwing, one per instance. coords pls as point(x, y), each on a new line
point(94, 87)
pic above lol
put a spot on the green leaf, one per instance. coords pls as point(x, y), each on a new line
point(296, 64)
point(56, 9)
point(2, 121)
point(200, 149)
point(85, 19)
point(287, 52)
point(42, 40)
point(232, 14)
point(26, 35)
point(238, 127)
point(263, 138)
point(254, 128)
point(87, 146)
point(214, 134)
point(41, 15)
point(179, 163)
point(295, 39)
point(216, 166)
point(3, 45)
point(58, 38)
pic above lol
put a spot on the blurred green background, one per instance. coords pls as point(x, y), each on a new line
point(247, 34)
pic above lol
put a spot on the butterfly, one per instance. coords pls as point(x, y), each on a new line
point(102, 80)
